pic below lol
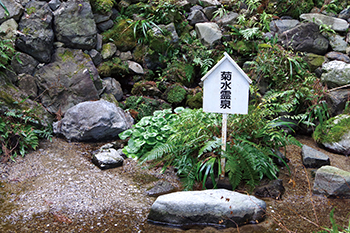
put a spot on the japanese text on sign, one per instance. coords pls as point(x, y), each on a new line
point(225, 93)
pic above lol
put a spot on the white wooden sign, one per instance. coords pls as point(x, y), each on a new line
point(226, 91)
point(226, 88)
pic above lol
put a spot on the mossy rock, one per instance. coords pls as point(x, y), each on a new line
point(175, 94)
point(122, 35)
point(314, 61)
point(146, 88)
point(243, 47)
point(140, 106)
point(102, 6)
point(113, 66)
point(195, 101)
point(334, 134)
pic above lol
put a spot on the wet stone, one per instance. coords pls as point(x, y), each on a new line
point(160, 188)
point(107, 157)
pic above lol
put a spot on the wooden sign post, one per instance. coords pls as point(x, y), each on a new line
point(226, 91)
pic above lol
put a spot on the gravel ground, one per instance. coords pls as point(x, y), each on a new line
point(58, 189)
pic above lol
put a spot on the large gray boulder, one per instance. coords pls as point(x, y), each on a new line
point(208, 33)
point(305, 37)
point(335, 73)
point(213, 207)
point(332, 182)
point(14, 8)
point(93, 120)
point(70, 79)
point(74, 25)
point(36, 36)
point(336, 24)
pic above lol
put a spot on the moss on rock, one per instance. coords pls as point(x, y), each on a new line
point(113, 66)
point(175, 94)
point(122, 35)
point(195, 101)
point(140, 106)
point(333, 129)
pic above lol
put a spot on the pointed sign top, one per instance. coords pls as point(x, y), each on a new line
point(227, 57)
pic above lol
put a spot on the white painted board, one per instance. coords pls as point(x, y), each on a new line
point(214, 84)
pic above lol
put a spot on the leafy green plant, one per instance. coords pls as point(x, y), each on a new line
point(7, 13)
point(194, 147)
point(150, 131)
point(20, 131)
point(327, 29)
point(7, 51)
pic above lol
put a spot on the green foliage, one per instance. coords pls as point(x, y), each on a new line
point(194, 147)
point(333, 129)
point(183, 61)
point(293, 8)
point(121, 34)
point(280, 68)
point(102, 6)
point(335, 226)
point(113, 66)
point(140, 106)
point(327, 29)
point(7, 51)
point(20, 131)
point(150, 131)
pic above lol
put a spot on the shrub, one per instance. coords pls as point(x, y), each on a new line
point(20, 131)
point(194, 147)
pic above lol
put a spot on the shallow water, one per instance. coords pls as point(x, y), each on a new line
point(58, 189)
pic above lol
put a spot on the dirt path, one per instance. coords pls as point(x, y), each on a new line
point(57, 188)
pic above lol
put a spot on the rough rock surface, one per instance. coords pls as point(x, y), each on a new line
point(160, 188)
point(332, 182)
point(273, 189)
point(313, 158)
point(208, 33)
point(74, 25)
point(305, 37)
point(215, 207)
point(336, 24)
point(36, 37)
point(335, 73)
point(70, 79)
point(337, 100)
point(93, 120)
point(14, 8)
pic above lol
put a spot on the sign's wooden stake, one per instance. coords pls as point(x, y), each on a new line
point(223, 146)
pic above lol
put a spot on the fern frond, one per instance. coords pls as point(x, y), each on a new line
point(209, 146)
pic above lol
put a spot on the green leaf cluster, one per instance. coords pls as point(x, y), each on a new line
point(148, 132)
point(7, 51)
point(20, 131)
point(194, 147)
